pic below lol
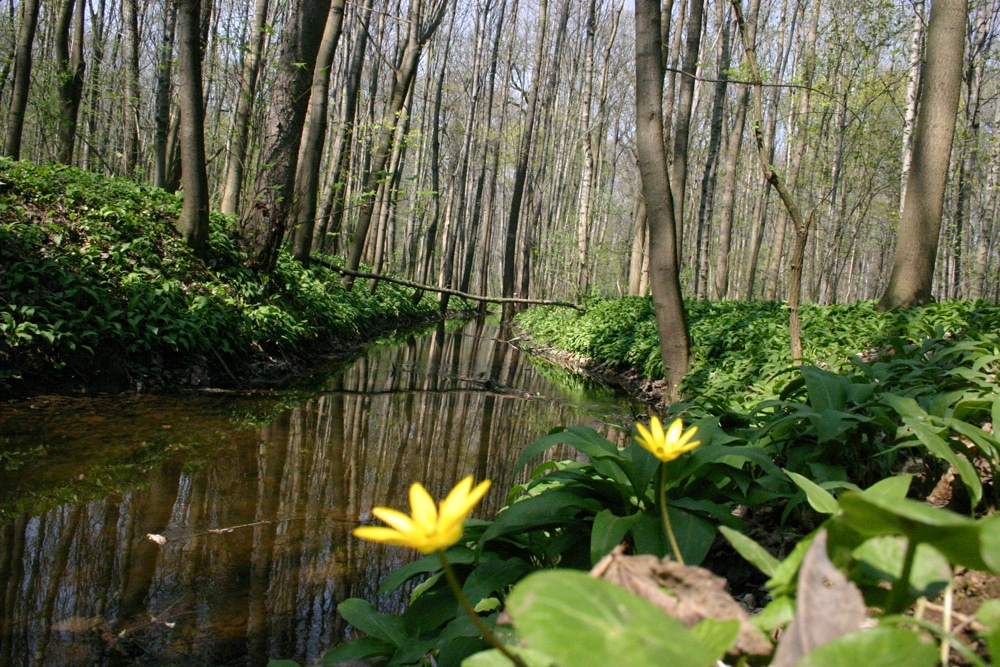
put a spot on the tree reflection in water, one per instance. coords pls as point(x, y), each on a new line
point(258, 551)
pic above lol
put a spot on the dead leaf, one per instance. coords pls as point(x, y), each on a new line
point(689, 594)
point(828, 607)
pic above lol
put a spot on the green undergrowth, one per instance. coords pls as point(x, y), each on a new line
point(92, 270)
point(740, 350)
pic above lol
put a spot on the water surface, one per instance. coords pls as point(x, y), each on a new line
point(255, 496)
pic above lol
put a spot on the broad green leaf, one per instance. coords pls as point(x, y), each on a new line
point(361, 648)
point(882, 559)
point(694, 534)
point(425, 585)
point(414, 652)
point(778, 613)
point(941, 449)
point(717, 636)
point(819, 498)
point(608, 532)
point(782, 582)
point(494, 576)
point(587, 622)
point(583, 438)
point(494, 658)
point(430, 611)
point(890, 488)
point(282, 663)
point(363, 616)
point(989, 615)
point(990, 547)
point(456, 556)
point(754, 553)
point(546, 509)
point(904, 406)
point(954, 535)
point(878, 647)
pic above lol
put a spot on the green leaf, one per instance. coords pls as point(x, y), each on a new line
point(819, 498)
point(362, 648)
point(587, 622)
point(494, 658)
point(941, 449)
point(608, 532)
point(546, 509)
point(456, 556)
point(882, 559)
point(363, 616)
point(494, 576)
point(954, 535)
point(878, 647)
point(282, 663)
point(583, 438)
point(754, 553)
point(989, 615)
point(694, 534)
point(890, 488)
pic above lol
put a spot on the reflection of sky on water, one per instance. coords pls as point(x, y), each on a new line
point(257, 519)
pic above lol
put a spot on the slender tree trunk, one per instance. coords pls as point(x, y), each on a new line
point(982, 36)
point(521, 170)
point(193, 223)
point(663, 269)
point(920, 225)
point(682, 123)
point(22, 79)
point(991, 212)
point(163, 77)
point(70, 70)
point(130, 46)
point(588, 139)
point(275, 185)
point(311, 154)
point(332, 219)
point(239, 141)
point(914, 71)
point(417, 37)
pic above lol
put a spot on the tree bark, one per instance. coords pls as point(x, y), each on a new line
point(274, 188)
point(663, 266)
point(417, 36)
point(193, 222)
point(163, 95)
point(130, 46)
point(920, 224)
point(22, 79)
point(236, 161)
point(311, 153)
point(70, 70)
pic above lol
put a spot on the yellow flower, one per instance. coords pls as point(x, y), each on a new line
point(429, 529)
point(667, 446)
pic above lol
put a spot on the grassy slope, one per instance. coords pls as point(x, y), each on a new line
point(97, 288)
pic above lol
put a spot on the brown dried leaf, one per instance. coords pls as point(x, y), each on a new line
point(828, 606)
point(689, 594)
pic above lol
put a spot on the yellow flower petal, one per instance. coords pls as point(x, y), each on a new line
point(422, 507)
point(380, 534)
point(666, 446)
point(395, 518)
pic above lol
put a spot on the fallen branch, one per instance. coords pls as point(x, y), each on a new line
point(443, 290)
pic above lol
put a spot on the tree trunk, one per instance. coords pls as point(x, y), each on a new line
point(311, 154)
point(22, 79)
point(682, 123)
point(163, 95)
point(920, 224)
point(588, 139)
point(912, 91)
point(69, 69)
point(275, 185)
point(236, 161)
point(521, 170)
point(663, 267)
point(193, 222)
point(130, 46)
point(417, 37)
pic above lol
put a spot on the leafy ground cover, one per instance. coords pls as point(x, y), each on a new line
point(846, 501)
point(98, 290)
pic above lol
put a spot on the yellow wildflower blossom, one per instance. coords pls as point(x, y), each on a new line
point(667, 446)
point(430, 528)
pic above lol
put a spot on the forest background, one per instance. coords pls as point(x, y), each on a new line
point(490, 146)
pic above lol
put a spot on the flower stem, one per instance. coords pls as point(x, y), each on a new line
point(900, 589)
point(456, 588)
point(666, 515)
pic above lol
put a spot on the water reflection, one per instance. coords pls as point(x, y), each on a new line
point(257, 519)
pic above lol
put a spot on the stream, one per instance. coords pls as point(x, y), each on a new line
point(215, 528)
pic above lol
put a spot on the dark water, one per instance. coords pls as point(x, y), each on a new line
point(256, 498)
